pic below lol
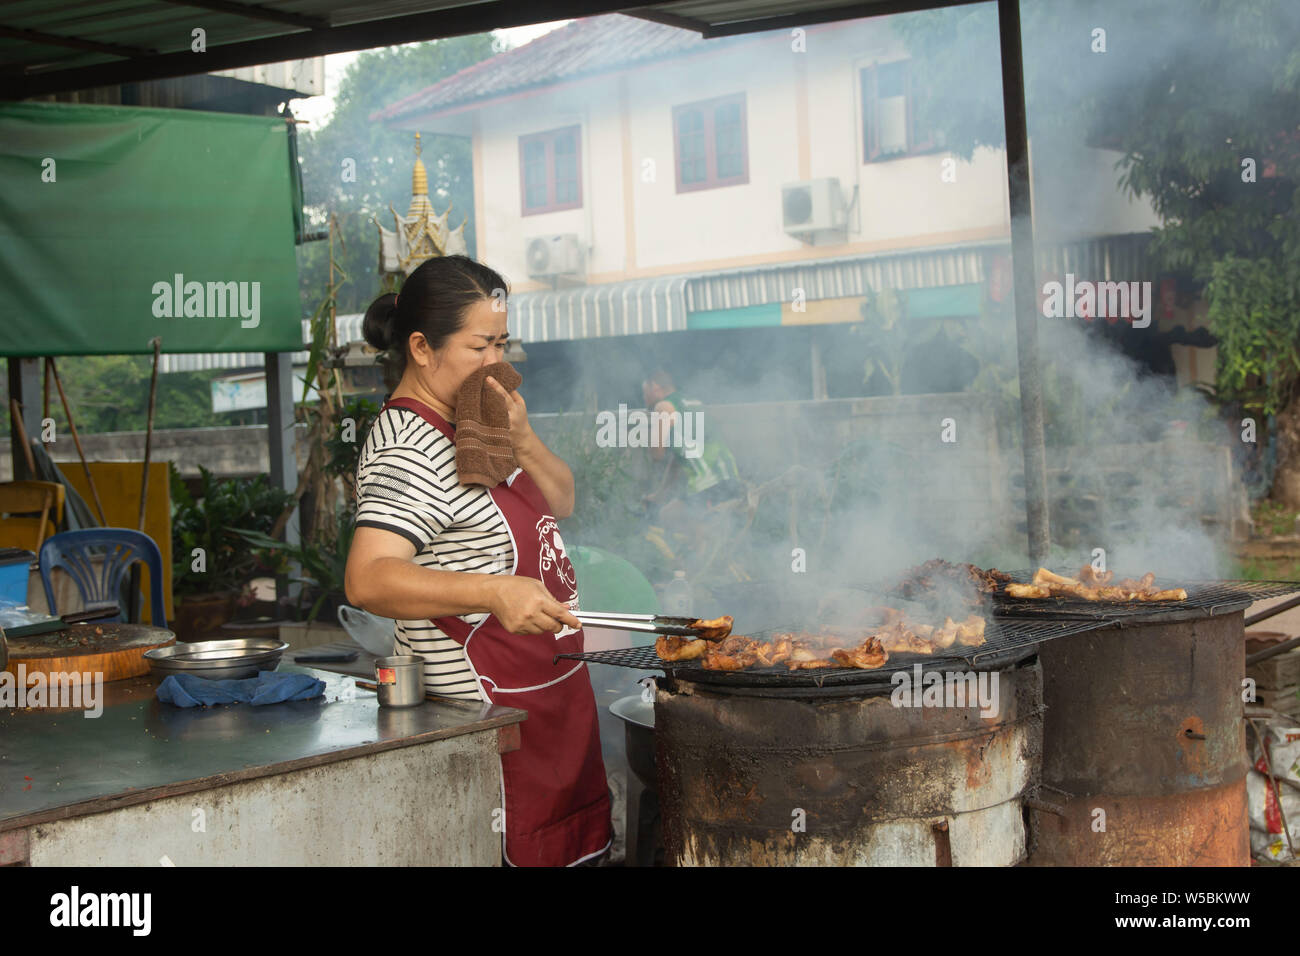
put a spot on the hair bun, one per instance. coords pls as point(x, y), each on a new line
point(378, 325)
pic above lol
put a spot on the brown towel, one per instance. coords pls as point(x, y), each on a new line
point(483, 452)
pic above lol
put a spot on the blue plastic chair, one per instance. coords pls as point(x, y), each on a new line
point(75, 551)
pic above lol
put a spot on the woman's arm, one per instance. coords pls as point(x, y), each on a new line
point(382, 578)
point(553, 477)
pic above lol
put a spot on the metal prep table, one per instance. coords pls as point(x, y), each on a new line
point(331, 781)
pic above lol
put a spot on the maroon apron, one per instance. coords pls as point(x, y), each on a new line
point(557, 807)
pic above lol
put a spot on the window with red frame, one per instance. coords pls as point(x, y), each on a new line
point(550, 171)
point(710, 142)
point(892, 95)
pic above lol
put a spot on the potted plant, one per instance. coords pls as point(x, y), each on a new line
point(318, 566)
point(212, 565)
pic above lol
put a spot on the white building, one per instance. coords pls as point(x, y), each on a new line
point(631, 177)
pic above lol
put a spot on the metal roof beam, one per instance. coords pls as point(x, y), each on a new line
point(827, 14)
point(73, 43)
point(254, 12)
point(390, 31)
point(668, 19)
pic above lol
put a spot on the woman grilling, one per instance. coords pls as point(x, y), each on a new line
point(477, 577)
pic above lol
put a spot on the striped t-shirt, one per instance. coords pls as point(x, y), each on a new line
point(407, 483)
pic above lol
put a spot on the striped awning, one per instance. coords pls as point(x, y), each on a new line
point(600, 311)
point(836, 278)
point(347, 326)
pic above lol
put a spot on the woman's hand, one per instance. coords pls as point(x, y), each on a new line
point(524, 606)
point(553, 476)
point(521, 431)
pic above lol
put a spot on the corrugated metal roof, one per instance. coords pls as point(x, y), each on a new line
point(348, 328)
point(837, 278)
point(600, 311)
point(584, 47)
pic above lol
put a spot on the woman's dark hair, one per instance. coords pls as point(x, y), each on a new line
point(433, 301)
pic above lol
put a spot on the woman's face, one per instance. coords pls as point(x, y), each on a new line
point(481, 341)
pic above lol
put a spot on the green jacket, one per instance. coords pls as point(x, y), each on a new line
point(714, 464)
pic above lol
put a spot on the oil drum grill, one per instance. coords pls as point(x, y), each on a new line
point(1006, 643)
point(1013, 633)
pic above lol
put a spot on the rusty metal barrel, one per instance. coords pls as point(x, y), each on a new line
point(1144, 751)
point(840, 777)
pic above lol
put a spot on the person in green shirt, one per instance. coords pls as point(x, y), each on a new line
point(699, 472)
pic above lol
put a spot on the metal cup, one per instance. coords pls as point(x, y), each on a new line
point(399, 680)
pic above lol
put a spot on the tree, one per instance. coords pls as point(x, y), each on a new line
point(352, 145)
point(1202, 98)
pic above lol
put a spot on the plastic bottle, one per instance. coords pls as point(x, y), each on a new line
point(677, 596)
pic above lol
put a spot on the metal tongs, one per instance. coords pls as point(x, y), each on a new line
point(645, 623)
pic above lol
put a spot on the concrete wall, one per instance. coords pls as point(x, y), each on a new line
point(236, 450)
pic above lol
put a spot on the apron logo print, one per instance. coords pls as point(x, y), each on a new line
point(552, 559)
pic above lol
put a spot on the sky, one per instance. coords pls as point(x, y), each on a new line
point(317, 109)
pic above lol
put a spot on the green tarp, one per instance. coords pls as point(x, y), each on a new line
point(118, 224)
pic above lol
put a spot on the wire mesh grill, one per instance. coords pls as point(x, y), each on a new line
point(1214, 596)
point(1007, 641)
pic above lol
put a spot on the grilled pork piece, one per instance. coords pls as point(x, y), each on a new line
point(970, 632)
point(1092, 586)
point(900, 639)
point(670, 648)
point(1027, 591)
point(918, 582)
point(735, 653)
point(715, 629)
point(729, 662)
point(869, 655)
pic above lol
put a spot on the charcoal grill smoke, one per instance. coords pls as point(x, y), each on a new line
point(1139, 470)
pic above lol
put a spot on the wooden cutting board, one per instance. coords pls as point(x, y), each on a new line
point(115, 649)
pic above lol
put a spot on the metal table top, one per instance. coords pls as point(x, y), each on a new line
point(55, 765)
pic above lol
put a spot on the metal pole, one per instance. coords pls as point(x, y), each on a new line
point(24, 388)
point(1026, 292)
point(282, 440)
point(148, 429)
point(76, 440)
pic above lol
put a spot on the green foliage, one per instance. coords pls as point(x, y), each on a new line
point(215, 521)
point(1184, 131)
point(323, 565)
point(383, 159)
point(609, 485)
point(887, 337)
point(1255, 312)
point(110, 393)
point(343, 455)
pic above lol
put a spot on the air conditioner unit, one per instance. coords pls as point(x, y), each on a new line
point(814, 205)
point(551, 256)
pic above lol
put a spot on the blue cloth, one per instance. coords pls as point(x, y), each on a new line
point(268, 687)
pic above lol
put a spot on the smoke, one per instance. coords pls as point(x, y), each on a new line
point(911, 454)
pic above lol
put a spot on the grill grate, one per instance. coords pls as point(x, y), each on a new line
point(1007, 641)
point(1217, 597)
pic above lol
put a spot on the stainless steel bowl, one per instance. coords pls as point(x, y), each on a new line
point(218, 660)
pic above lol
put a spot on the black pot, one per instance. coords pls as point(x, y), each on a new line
point(638, 718)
